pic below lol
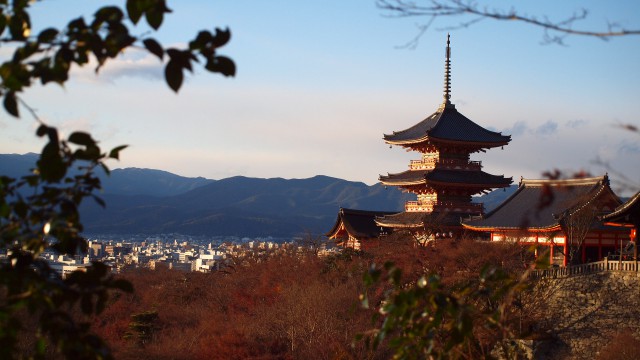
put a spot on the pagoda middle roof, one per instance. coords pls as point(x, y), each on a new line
point(449, 125)
point(443, 176)
point(541, 204)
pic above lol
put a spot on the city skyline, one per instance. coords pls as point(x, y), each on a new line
point(319, 83)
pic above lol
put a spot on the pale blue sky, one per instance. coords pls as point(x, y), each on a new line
point(320, 81)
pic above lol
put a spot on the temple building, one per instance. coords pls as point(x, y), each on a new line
point(627, 215)
point(559, 215)
point(444, 178)
point(357, 229)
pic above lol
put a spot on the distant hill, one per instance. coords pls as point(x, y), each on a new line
point(242, 206)
point(153, 201)
point(130, 181)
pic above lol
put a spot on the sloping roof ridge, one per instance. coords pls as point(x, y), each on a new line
point(591, 181)
point(437, 113)
point(505, 202)
point(623, 207)
point(364, 212)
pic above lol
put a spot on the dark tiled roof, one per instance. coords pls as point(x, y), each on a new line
point(416, 219)
point(402, 220)
point(447, 124)
point(466, 177)
point(358, 223)
point(627, 213)
point(538, 204)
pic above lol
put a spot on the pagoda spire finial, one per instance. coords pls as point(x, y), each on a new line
point(447, 77)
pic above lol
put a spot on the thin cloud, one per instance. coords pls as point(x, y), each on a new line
point(518, 128)
point(629, 147)
point(547, 129)
point(132, 64)
point(576, 124)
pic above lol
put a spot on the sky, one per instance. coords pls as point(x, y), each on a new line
point(320, 81)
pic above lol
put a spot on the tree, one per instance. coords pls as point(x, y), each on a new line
point(471, 12)
point(39, 211)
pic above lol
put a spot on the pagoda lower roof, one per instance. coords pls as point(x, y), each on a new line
point(540, 205)
point(416, 220)
point(448, 125)
point(446, 177)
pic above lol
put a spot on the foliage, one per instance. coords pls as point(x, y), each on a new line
point(285, 306)
point(621, 346)
point(39, 211)
point(430, 317)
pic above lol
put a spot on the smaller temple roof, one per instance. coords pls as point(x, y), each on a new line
point(627, 213)
point(402, 220)
point(358, 223)
point(540, 204)
point(447, 124)
point(445, 177)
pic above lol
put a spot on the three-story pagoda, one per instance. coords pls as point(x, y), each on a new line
point(444, 178)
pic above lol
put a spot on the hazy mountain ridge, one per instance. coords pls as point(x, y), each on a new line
point(156, 201)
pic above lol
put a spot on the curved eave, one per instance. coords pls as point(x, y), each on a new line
point(484, 186)
point(337, 227)
point(399, 225)
point(429, 139)
point(551, 228)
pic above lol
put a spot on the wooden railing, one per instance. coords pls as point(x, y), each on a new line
point(585, 269)
point(444, 164)
point(421, 206)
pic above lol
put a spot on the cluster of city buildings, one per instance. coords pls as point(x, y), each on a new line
point(179, 255)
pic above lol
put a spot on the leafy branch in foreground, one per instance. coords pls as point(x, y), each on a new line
point(428, 320)
point(48, 56)
point(40, 211)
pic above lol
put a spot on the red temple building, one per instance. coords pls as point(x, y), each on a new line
point(559, 215)
point(356, 229)
point(444, 178)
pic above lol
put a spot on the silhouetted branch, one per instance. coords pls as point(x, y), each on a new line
point(555, 31)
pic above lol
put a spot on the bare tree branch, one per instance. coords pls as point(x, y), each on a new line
point(555, 31)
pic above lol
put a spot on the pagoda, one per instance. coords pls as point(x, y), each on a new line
point(444, 178)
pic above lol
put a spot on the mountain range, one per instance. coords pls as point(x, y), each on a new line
point(147, 201)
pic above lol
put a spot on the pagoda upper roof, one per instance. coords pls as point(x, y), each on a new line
point(357, 223)
point(448, 125)
point(445, 177)
point(541, 204)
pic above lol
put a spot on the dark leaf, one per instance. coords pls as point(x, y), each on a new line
point(109, 14)
point(173, 75)
point(222, 37)
point(3, 24)
point(11, 103)
point(154, 47)
point(81, 138)
point(154, 18)
point(134, 10)
point(222, 65)
point(99, 201)
point(47, 35)
point(115, 152)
